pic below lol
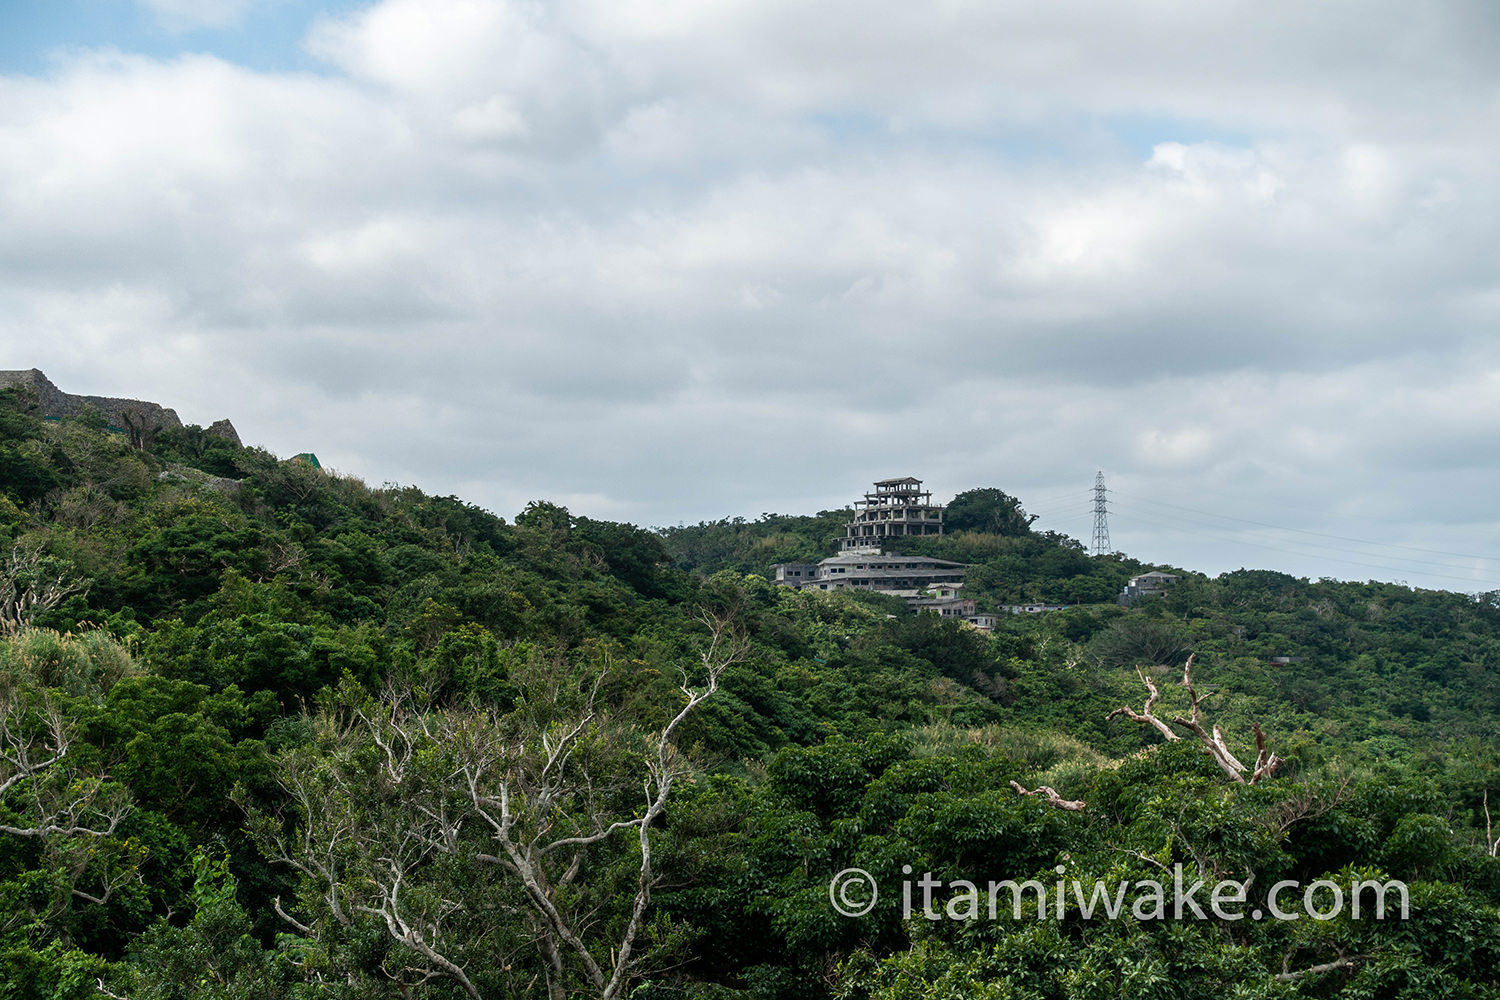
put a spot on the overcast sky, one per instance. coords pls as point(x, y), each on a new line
point(667, 260)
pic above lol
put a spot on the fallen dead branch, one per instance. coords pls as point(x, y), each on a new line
point(1050, 794)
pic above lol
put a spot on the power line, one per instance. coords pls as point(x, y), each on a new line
point(1076, 505)
point(1086, 493)
point(1082, 506)
point(1319, 534)
point(1220, 533)
point(1293, 541)
point(1406, 561)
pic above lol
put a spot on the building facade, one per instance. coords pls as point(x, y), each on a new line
point(871, 570)
point(1146, 585)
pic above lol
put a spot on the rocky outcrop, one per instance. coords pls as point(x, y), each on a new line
point(223, 429)
point(121, 414)
point(140, 419)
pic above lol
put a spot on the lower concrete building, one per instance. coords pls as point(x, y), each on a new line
point(929, 586)
point(943, 599)
point(871, 570)
point(1152, 584)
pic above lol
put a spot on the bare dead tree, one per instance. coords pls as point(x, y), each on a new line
point(1212, 739)
point(518, 794)
point(396, 790)
point(284, 554)
point(45, 797)
point(416, 926)
point(38, 783)
point(366, 836)
point(1491, 842)
point(106, 991)
point(25, 752)
point(1050, 794)
point(32, 583)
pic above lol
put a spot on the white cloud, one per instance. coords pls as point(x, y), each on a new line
point(484, 70)
point(680, 260)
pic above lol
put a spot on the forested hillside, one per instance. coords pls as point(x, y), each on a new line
point(268, 732)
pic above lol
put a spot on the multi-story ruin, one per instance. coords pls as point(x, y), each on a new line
point(899, 508)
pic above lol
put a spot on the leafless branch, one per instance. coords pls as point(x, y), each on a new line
point(1309, 801)
point(419, 931)
point(24, 754)
point(36, 774)
point(32, 583)
point(1211, 737)
point(1287, 975)
point(1050, 794)
point(1142, 856)
point(529, 794)
point(302, 928)
point(1145, 715)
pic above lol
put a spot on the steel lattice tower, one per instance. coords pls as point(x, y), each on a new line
point(1101, 516)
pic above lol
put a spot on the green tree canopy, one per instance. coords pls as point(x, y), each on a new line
point(988, 510)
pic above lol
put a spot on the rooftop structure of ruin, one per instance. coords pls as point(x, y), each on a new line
point(898, 508)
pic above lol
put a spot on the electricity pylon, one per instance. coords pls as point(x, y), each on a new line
point(1101, 516)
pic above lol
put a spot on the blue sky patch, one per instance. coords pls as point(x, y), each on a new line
point(267, 37)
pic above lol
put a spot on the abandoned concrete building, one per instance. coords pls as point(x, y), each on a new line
point(943, 599)
point(898, 508)
point(872, 570)
point(1152, 584)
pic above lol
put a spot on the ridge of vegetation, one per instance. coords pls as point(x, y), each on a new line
point(268, 732)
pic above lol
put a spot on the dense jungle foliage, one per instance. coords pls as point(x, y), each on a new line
point(268, 732)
